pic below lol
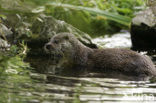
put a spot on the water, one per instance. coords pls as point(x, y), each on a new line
point(48, 88)
point(58, 89)
point(119, 40)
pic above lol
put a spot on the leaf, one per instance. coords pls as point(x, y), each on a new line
point(3, 16)
point(111, 16)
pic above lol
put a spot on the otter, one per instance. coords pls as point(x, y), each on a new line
point(71, 53)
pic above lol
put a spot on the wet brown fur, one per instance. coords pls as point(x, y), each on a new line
point(122, 61)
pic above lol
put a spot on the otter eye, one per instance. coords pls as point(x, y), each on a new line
point(56, 41)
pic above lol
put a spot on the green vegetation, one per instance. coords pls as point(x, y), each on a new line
point(14, 73)
point(12, 65)
point(99, 16)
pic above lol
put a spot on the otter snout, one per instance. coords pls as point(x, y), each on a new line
point(48, 47)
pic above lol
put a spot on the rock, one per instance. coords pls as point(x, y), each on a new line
point(4, 33)
point(37, 30)
point(143, 31)
point(46, 26)
point(4, 45)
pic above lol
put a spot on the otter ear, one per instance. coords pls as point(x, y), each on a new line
point(66, 37)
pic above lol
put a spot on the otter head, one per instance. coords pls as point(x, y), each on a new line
point(61, 46)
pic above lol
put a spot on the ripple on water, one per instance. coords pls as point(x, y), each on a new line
point(60, 89)
point(96, 90)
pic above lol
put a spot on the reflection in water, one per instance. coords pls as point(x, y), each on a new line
point(59, 89)
point(106, 89)
point(48, 88)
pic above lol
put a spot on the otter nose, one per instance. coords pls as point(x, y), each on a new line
point(48, 47)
